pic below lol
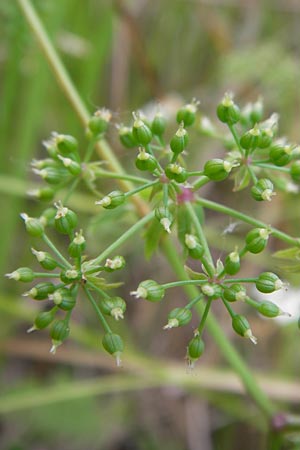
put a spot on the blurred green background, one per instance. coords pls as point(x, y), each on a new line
point(123, 55)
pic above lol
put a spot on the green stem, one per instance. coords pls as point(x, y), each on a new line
point(236, 138)
point(130, 232)
point(97, 310)
point(55, 250)
point(240, 280)
point(141, 188)
point(89, 150)
point(194, 302)
point(71, 189)
point(270, 166)
point(96, 288)
point(229, 309)
point(207, 259)
point(247, 219)
point(183, 283)
point(119, 176)
point(226, 348)
point(201, 182)
point(204, 316)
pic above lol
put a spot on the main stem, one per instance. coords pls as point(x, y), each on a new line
point(104, 149)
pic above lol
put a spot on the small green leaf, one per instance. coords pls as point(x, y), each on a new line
point(242, 179)
point(152, 237)
point(194, 275)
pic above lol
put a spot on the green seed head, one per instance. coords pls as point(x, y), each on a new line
point(40, 291)
point(235, 292)
point(59, 332)
point(113, 344)
point(98, 123)
point(158, 125)
point(227, 111)
point(263, 190)
point(126, 137)
point(232, 263)
point(187, 114)
point(241, 326)
point(34, 227)
point(145, 161)
point(149, 290)
point(257, 239)
point(65, 219)
point(24, 274)
point(195, 350)
point(112, 200)
point(113, 306)
point(178, 317)
point(268, 282)
point(140, 130)
point(180, 140)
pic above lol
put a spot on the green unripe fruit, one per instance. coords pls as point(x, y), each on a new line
point(73, 167)
point(66, 144)
point(227, 111)
point(140, 131)
point(196, 250)
point(158, 125)
point(235, 292)
point(68, 276)
point(178, 317)
point(98, 123)
point(295, 171)
point(145, 161)
point(266, 138)
point(150, 290)
point(263, 190)
point(241, 326)
point(179, 141)
point(195, 349)
point(187, 114)
point(114, 345)
point(34, 226)
point(41, 291)
point(256, 112)
point(65, 219)
point(44, 194)
point(126, 137)
point(164, 217)
point(117, 263)
point(211, 290)
point(113, 306)
point(250, 140)
point(217, 169)
point(176, 172)
point(43, 319)
point(77, 246)
point(112, 200)
point(232, 263)
point(281, 155)
point(64, 299)
point(59, 332)
point(53, 175)
point(256, 240)
point(268, 282)
point(45, 259)
point(24, 274)
point(269, 309)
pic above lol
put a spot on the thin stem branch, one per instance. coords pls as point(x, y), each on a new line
point(207, 258)
point(247, 219)
point(97, 310)
point(55, 250)
point(129, 233)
